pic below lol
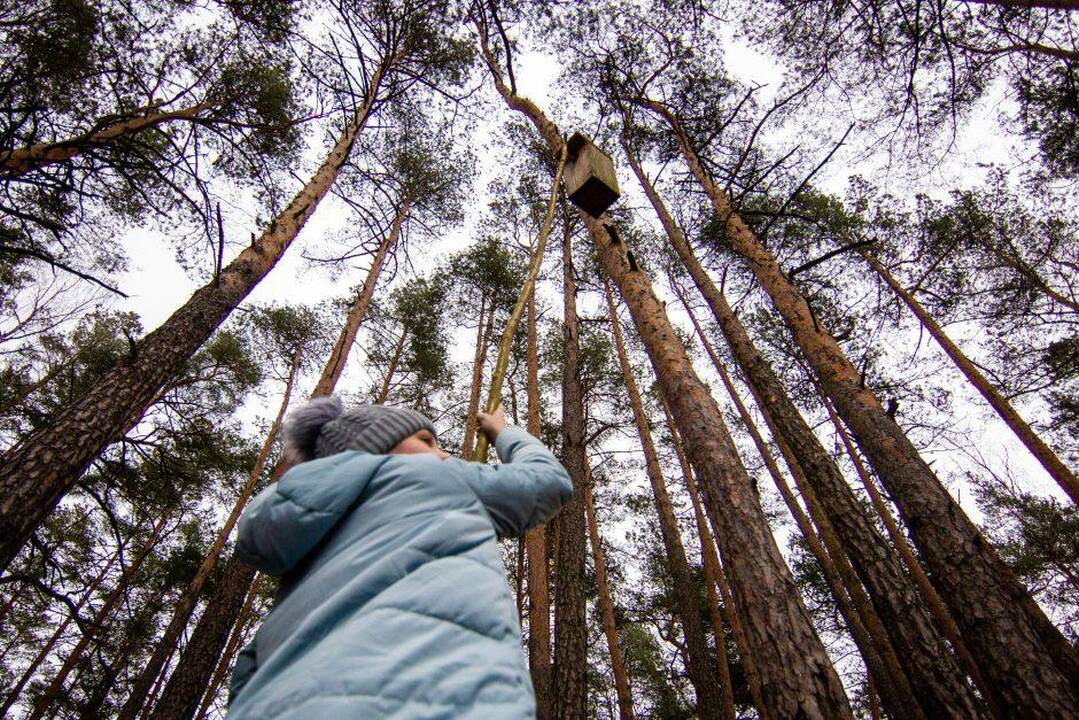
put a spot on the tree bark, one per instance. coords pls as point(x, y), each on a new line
point(37, 472)
point(713, 577)
point(539, 608)
point(20, 161)
point(185, 605)
point(701, 671)
point(336, 364)
point(1033, 669)
point(606, 606)
point(56, 685)
point(229, 655)
point(569, 682)
point(798, 677)
point(392, 369)
point(1037, 447)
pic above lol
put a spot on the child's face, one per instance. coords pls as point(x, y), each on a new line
point(418, 443)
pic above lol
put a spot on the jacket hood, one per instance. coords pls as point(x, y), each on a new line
point(290, 517)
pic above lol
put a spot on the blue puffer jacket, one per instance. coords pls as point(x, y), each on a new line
point(394, 600)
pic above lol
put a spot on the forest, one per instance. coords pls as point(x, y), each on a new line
point(807, 342)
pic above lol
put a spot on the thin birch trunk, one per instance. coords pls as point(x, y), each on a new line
point(1049, 460)
point(1032, 668)
point(606, 606)
point(36, 473)
point(701, 672)
point(181, 614)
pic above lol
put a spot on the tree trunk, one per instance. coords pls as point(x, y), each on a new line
point(181, 614)
point(606, 605)
point(897, 621)
point(46, 649)
point(713, 577)
point(936, 606)
point(1037, 447)
point(569, 684)
point(392, 369)
point(1030, 664)
point(336, 364)
point(37, 472)
point(799, 680)
point(539, 608)
point(20, 161)
point(701, 672)
point(56, 685)
point(483, 333)
point(229, 655)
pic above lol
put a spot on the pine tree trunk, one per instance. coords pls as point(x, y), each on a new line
point(1033, 669)
point(701, 671)
point(713, 577)
point(569, 682)
point(224, 665)
point(799, 680)
point(392, 369)
point(46, 649)
point(185, 605)
point(898, 622)
point(37, 472)
point(20, 161)
point(338, 356)
point(539, 608)
point(606, 605)
point(1037, 447)
point(936, 606)
point(91, 709)
point(483, 334)
point(56, 685)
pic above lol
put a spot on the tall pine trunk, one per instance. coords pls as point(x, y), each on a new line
point(898, 621)
point(483, 335)
point(1037, 447)
point(606, 606)
point(701, 670)
point(37, 472)
point(798, 677)
point(185, 605)
point(713, 577)
point(1033, 670)
point(398, 348)
point(232, 647)
point(539, 607)
point(569, 681)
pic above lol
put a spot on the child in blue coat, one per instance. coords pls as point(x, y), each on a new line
point(393, 597)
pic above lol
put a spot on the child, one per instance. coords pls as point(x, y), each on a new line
point(393, 599)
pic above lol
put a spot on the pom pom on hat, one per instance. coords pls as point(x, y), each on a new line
point(305, 423)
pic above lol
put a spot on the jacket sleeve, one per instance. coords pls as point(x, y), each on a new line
point(527, 489)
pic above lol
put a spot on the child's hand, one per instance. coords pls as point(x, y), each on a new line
point(493, 423)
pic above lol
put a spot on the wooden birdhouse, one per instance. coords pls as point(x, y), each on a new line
point(589, 176)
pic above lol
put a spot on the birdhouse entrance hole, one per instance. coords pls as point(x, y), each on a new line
point(590, 180)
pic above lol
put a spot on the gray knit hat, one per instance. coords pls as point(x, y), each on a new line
point(322, 428)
